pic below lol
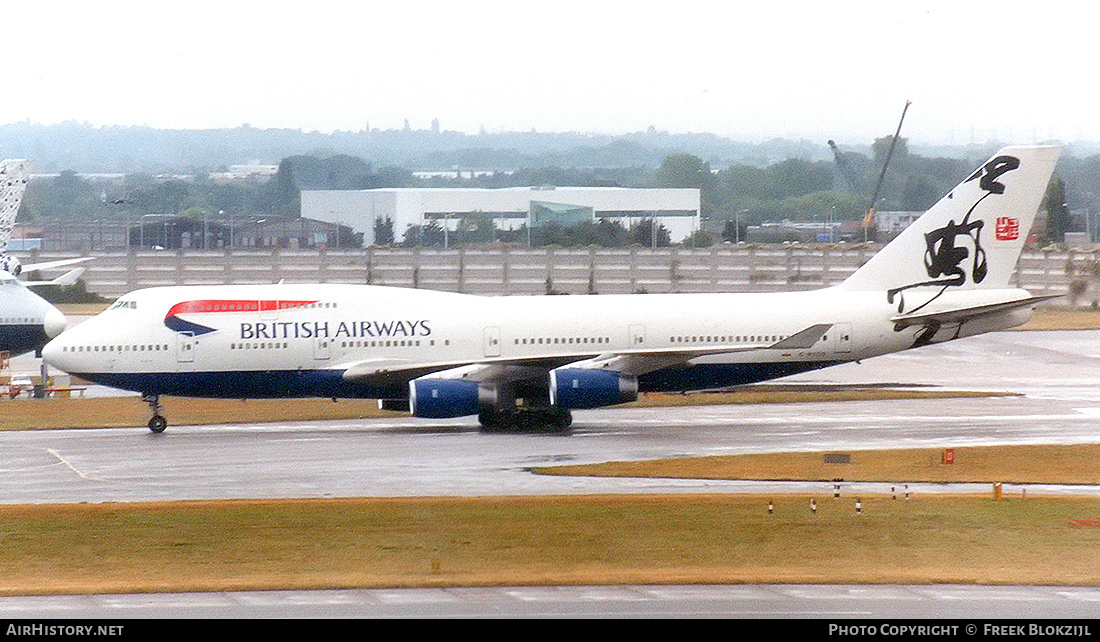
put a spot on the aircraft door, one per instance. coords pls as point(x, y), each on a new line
point(637, 337)
point(492, 342)
point(838, 339)
point(322, 348)
point(185, 347)
point(843, 336)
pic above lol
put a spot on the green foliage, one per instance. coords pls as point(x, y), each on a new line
point(801, 190)
point(383, 231)
point(699, 238)
point(687, 171)
point(348, 238)
point(734, 231)
point(795, 177)
point(881, 148)
point(820, 206)
point(643, 233)
point(746, 182)
point(430, 234)
point(476, 229)
point(1058, 219)
point(921, 192)
point(75, 293)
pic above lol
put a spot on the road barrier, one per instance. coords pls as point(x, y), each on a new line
point(506, 270)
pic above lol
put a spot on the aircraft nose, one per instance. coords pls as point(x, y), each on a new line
point(54, 323)
point(50, 353)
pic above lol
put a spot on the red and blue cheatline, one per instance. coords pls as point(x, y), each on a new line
point(173, 321)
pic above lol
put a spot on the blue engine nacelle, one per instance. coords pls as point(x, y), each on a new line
point(444, 398)
point(588, 388)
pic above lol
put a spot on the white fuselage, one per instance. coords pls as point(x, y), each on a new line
point(300, 340)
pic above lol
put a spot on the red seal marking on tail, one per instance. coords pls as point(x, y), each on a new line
point(1008, 228)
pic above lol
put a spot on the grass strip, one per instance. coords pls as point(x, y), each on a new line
point(1063, 319)
point(1038, 464)
point(130, 411)
point(581, 540)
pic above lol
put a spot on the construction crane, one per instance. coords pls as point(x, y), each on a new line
point(845, 168)
point(870, 218)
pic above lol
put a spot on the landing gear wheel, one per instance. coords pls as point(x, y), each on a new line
point(157, 424)
point(562, 419)
point(529, 420)
point(496, 420)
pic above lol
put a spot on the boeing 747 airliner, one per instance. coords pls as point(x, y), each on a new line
point(524, 361)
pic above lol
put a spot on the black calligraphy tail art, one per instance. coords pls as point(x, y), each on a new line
point(970, 240)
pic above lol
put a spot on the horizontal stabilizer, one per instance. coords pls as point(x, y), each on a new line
point(956, 315)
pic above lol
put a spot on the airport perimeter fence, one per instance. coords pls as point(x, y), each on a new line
point(511, 271)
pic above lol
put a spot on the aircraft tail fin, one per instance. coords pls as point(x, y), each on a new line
point(971, 238)
point(14, 175)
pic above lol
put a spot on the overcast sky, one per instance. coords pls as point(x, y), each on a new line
point(1013, 70)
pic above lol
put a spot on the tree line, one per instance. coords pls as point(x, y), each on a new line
point(732, 197)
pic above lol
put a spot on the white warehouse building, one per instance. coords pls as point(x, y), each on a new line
point(676, 209)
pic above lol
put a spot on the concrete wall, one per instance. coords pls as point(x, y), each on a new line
point(533, 271)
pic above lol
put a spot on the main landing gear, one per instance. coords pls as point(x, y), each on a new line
point(548, 419)
point(157, 423)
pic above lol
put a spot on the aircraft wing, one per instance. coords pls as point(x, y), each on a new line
point(496, 370)
point(959, 315)
point(639, 362)
point(490, 371)
point(54, 264)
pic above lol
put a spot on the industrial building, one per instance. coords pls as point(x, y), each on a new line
point(676, 209)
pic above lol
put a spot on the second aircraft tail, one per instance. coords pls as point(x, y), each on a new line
point(14, 175)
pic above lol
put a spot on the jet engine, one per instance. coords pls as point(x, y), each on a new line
point(591, 388)
point(444, 398)
point(10, 264)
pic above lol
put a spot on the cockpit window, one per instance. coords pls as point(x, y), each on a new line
point(132, 305)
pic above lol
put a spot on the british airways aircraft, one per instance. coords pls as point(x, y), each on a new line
point(521, 362)
point(27, 321)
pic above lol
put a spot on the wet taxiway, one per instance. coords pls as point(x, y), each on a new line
point(1055, 377)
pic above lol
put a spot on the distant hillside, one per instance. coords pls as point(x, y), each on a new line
point(84, 148)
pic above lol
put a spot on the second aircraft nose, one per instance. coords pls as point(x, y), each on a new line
point(54, 323)
point(51, 352)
